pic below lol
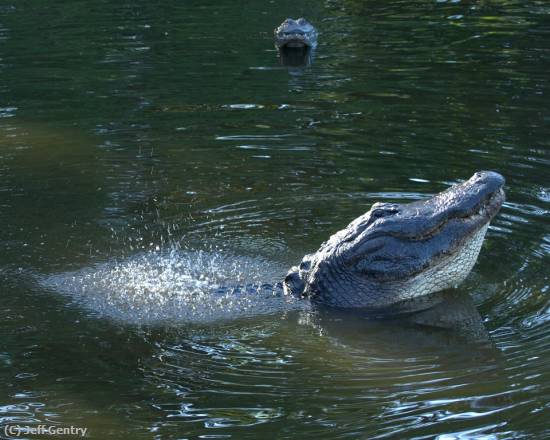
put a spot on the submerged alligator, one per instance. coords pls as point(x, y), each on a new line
point(396, 253)
point(295, 40)
point(295, 33)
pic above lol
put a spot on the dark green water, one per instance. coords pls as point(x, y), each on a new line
point(148, 151)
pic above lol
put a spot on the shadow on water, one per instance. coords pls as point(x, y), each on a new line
point(408, 377)
point(448, 315)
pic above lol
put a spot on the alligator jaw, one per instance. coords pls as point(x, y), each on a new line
point(293, 40)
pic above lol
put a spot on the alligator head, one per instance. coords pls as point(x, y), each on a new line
point(298, 33)
point(397, 252)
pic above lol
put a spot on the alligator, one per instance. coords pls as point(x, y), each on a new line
point(298, 33)
point(396, 262)
point(396, 253)
point(295, 41)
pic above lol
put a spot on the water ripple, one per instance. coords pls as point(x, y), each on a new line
point(176, 287)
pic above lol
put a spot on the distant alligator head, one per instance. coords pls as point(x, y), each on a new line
point(397, 252)
point(298, 33)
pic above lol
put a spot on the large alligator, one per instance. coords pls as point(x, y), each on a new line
point(395, 262)
point(400, 252)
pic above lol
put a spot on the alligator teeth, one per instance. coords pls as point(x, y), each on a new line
point(294, 37)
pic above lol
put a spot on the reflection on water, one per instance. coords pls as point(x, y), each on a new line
point(294, 57)
point(127, 127)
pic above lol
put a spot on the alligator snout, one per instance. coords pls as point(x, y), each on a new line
point(295, 33)
point(488, 180)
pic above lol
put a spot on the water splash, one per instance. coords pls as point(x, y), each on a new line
point(176, 287)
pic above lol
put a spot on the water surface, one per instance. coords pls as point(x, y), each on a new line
point(151, 153)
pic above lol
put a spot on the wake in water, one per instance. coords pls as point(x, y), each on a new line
point(175, 287)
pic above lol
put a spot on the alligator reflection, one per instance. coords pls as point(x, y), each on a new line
point(296, 56)
point(437, 319)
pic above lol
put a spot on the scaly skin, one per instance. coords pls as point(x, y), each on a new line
point(397, 252)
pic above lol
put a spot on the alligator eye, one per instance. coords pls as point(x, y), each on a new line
point(379, 210)
point(301, 21)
